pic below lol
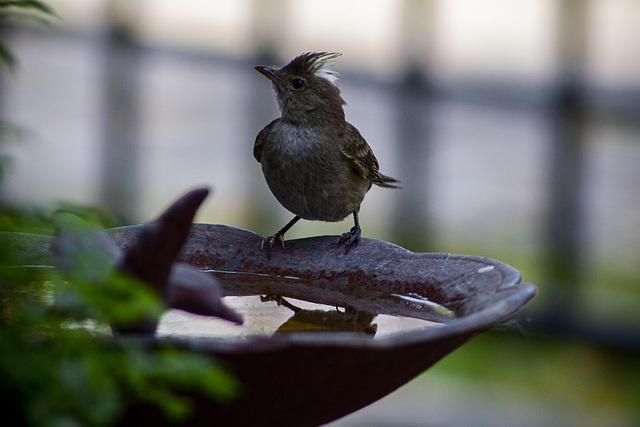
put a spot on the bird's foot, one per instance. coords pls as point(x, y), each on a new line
point(350, 238)
point(279, 299)
point(271, 297)
point(268, 242)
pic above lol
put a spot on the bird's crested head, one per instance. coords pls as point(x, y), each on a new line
point(306, 88)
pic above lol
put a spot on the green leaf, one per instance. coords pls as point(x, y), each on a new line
point(28, 4)
point(32, 9)
point(6, 57)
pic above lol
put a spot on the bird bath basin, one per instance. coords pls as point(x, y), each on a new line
point(327, 333)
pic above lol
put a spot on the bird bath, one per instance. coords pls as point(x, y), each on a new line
point(324, 332)
point(311, 349)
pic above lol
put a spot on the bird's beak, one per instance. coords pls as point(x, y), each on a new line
point(269, 73)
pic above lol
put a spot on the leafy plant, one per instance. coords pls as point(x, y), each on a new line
point(59, 364)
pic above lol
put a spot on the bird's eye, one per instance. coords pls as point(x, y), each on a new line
point(297, 83)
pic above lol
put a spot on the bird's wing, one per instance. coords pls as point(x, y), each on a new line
point(354, 147)
point(357, 151)
point(262, 136)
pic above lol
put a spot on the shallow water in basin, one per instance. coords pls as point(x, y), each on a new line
point(266, 318)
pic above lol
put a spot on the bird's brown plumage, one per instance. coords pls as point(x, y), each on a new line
point(316, 164)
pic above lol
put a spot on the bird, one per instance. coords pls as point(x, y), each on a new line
point(316, 164)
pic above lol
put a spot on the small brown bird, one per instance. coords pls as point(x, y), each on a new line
point(316, 164)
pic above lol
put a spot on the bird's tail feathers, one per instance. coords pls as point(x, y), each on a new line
point(387, 182)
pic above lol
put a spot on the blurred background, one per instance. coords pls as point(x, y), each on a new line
point(514, 126)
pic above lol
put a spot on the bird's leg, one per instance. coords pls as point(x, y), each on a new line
point(281, 301)
point(269, 241)
point(350, 239)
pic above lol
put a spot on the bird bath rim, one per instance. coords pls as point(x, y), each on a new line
point(214, 248)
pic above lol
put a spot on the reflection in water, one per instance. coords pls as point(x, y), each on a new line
point(266, 318)
point(349, 320)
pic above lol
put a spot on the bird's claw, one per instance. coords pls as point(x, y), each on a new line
point(350, 238)
point(269, 241)
point(271, 297)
